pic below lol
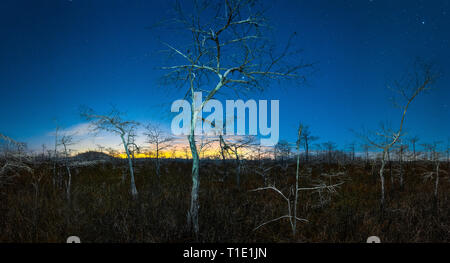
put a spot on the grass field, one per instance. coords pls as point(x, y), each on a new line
point(34, 207)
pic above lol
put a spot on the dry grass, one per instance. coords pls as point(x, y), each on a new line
point(102, 210)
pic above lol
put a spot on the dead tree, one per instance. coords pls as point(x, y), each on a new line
point(282, 150)
point(433, 150)
point(67, 140)
point(414, 141)
point(226, 46)
point(307, 139)
point(204, 143)
point(100, 147)
point(330, 148)
point(352, 147)
point(366, 148)
point(418, 82)
point(133, 148)
point(301, 129)
point(159, 140)
point(224, 153)
point(292, 211)
point(13, 162)
point(114, 123)
point(294, 191)
point(237, 147)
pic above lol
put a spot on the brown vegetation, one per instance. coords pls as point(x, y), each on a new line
point(101, 209)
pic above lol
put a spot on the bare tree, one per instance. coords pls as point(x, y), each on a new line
point(13, 162)
point(352, 147)
point(100, 148)
point(113, 122)
point(236, 147)
point(330, 148)
point(366, 148)
point(44, 149)
point(294, 191)
point(224, 152)
point(292, 211)
point(111, 152)
point(204, 143)
point(67, 140)
point(228, 49)
point(433, 149)
point(282, 150)
point(159, 140)
point(307, 139)
point(299, 138)
point(416, 83)
point(414, 141)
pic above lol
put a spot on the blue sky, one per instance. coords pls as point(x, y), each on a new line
point(58, 55)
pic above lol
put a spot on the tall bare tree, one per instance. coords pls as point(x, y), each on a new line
point(416, 83)
point(227, 47)
point(114, 123)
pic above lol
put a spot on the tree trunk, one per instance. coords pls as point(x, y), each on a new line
point(294, 228)
point(222, 153)
point(134, 191)
point(238, 170)
point(437, 181)
point(69, 182)
point(193, 211)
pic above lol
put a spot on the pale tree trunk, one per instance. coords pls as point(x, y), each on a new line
point(134, 191)
point(294, 227)
point(437, 180)
point(195, 205)
point(69, 181)
point(193, 212)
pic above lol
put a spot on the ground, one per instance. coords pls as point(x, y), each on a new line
point(101, 209)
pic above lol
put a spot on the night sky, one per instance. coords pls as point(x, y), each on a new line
point(58, 55)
